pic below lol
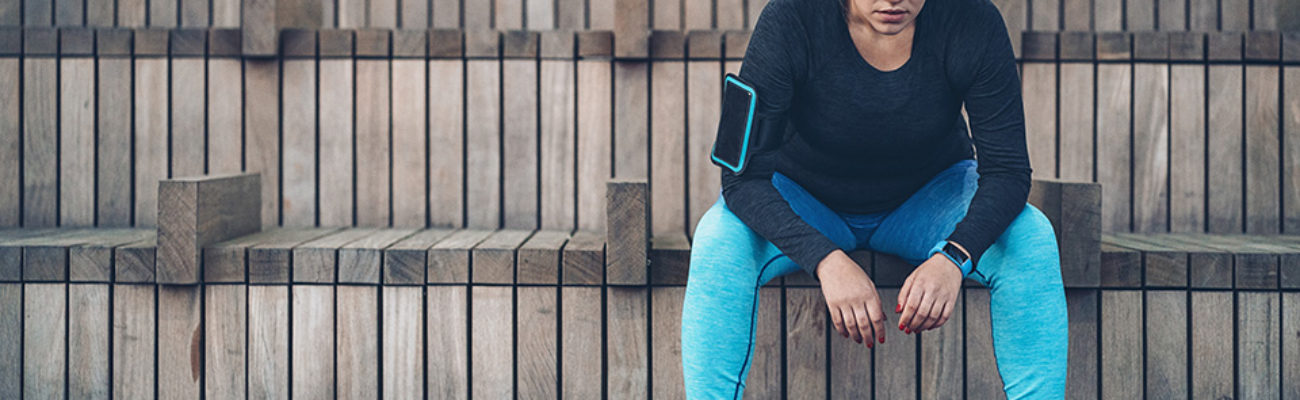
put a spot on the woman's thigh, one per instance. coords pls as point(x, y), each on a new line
point(930, 215)
point(726, 251)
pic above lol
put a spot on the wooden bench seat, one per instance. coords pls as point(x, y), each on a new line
point(77, 255)
point(1181, 260)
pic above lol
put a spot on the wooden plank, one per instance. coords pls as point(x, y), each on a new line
point(627, 368)
point(225, 13)
point(483, 143)
point(593, 136)
point(1162, 265)
point(226, 102)
point(372, 143)
point(1291, 151)
point(40, 137)
point(187, 114)
point(225, 316)
point(361, 261)
point(1290, 345)
point(134, 334)
point(1226, 175)
point(584, 259)
point(1166, 343)
point(357, 351)
point(520, 135)
point(702, 113)
point(317, 260)
point(509, 14)
point(76, 141)
point(227, 261)
point(767, 368)
point(131, 13)
point(1210, 267)
point(1203, 15)
point(1255, 264)
point(162, 13)
point(1045, 15)
point(899, 379)
point(1187, 148)
point(381, 14)
point(537, 357)
point(404, 261)
point(805, 338)
point(113, 194)
point(196, 212)
point(476, 15)
point(134, 262)
point(666, 344)
point(1139, 16)
point(697, 15)
point(557, 101)
point(631, 119)
point(448, 261)
point(1083, 374)
point(45, 258)
point(269, 259)
point(298, 131)
point(1172, 15)
point(538, 260)
point(1121, 343)
point(92, 261)
point(335, 141)
point(11, 268)
point(88, 351)
point(1040, 117)
point(670, 258)
point(261, 131)
point(447, 351)
point(446, 13)
point(268, 338)
point(402, 342)
point(1076, 121)
point(492, 350)
point(941, 357)
point(313, 340)
point(494, 257)
point(410, 195)
point(668, 150)
point(539, 15)
point(1258, 344)
point(446, 127)
point(1076, 15)
point(628, 233)
point(1114, 85)
point(258, 23)
point(180, 341)
point(1150, 147)
point(580, 327)
point(1211, 312)
point(729, 14)
point(11, 330)
point(1263, 211)
point(10, 140)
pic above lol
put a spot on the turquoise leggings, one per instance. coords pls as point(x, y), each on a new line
point(729, 262)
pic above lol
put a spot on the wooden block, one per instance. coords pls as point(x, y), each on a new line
point(225, 310)
point(268, 338)
point(1163, 265)
point(195, 212)
point(134, 338)
point(373, 43)
point(492, 350)
point(666, 344)
point(1188, 46)
point(335, 42)
point(1258, 344)
point(446, 43)
point(667, 45)
point(537, 353)
point(44, 340)
point(269, 258)
point(494, 257)
point(298, 43)
point(519, 44)
point(627, 309)
point(482, 44)
point(313, 340)
point(595, 44)
point(447, 351)
point(670, 258)
point(227, 42)
point(448, 261)
point(627, 232)
point(701, 45)
point(317, 260)
point(1210, 344)
point(1038, 46)
point(227, 261)
point(538, 260)
point(134, 263)
point(1263, 46)
point(941, 356)
point(76, 42)
point(410, 43)
point(580, 327)
point(92, 261)
point(40, 42)
point(1121, 343)
point(45, 258)
point(1151, 46)
point(403, 341)
point(189, 42)
point(260, 31)
point(557, 44)
point(11, 329)
point(1255, 264)
point(584, 259)
point(632, 29)
point(1224, 46)
point(11, 242)
point(361, 261)
point(404, 261)
point(805, 339)
point(1167, 358)
point(1074, 209)
point(180, 341)
point(519, 147)
point(1210, 267)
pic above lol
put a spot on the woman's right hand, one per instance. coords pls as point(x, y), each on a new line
point(852, 299)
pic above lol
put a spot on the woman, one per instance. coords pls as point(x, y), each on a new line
point(877, 156)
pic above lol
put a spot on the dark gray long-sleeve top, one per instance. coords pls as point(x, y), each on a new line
point(863, 140)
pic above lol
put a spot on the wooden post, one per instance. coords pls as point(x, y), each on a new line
point(195, 212)
point(1074, 208)
point(631, 28)
point(627, 231)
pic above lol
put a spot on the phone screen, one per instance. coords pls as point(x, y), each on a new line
point(730, 147)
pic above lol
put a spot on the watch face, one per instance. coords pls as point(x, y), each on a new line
point(955, 253)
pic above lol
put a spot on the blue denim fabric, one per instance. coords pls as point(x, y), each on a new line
point(729, 262)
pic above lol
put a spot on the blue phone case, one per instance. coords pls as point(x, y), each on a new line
point(749, 125)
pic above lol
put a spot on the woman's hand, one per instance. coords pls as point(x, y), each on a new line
point(852, 299)
point(928, 295)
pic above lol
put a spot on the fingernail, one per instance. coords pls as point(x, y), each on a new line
point(898, 308)
point(907, 330)
point(868, 345)
point(900, 326)
point(882, 339)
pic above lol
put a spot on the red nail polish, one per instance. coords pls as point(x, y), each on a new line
point(868, 345)
point(907, 330)
point(900, 326)
point(882, 339)
point(898, 308)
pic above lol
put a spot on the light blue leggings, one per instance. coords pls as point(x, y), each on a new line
point(729, 262)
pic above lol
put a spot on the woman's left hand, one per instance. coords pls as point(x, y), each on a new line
point(928, 295)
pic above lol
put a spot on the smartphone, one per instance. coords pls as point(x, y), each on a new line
point(735, 136)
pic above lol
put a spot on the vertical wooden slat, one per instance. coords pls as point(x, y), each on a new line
point(357, 349)
point(631, 119)
point(941, 357)
point(268, 341)
point(1039, 92)
point(1046, 15)
point(313, 341)
point(557, 99)
point(580, 325)
point(40, 128)
point(335, 135)
point(594, 124)
point(446, 127)
point(697, 14)
point(134, 328)
point(898, 372)
point(1290, 345)
point(600, 14)
point(491, 351)
point(666, 344)
point(1187, 116)
point(477, 15)
point(225, 13)
point(225, 103)
point(410, 147)
point(88, 350)
point(150, 123)
point(981, 382)
point(11, 348)
point(1121, 343)
point(262, 131)
point(447, 354)
point(298, 128)
point(1077, 15)
point(414, 14)
point(351, 13)
point(403, 343)
point(850, 365)
point(626, 311)
point(1234, 16)
point(180, 341)
point(519, 129)
point(805, 338)
point(373, 138)
point(1291, 153)
point(446, 14)
point(10, 135)
point(1076, 113)
point(570, 14)
point(668, 113)
point(130, 13)
point(1264, 15)
point(483, 132)
point(766, 369)
point(667, 14)
point(730, 14)
point(76, 141)
point(113, 162)
point(1203, 15)
point(1151, 137)
point(1212, 345)
point(1262, 143)
point(539, 14)
point(1082, 377)
point(1172, 15)
point(1166, 342)
point(1139, 16)
point(225, 322)
point(1258, 344)
point(162, 13)
point(187, 104)
point(194, 13)
point(509, 14)
point(537, 353)
point(381, 13)
point(1114, 86)
point(703, 72)
point(1224, 203)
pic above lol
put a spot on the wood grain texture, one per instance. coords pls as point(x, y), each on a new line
point(508, 14)
point(631, 118)
point(538, 260)
point(372, 143)
point(1046, 15)
point(403, 342)
point(1291, 151)
point(318, 260)
point(580, 326)
point(1150, 147)
point(557, 99)
point(1114, 153)
point(134, 328)
point(899, 379)
point(1076, 121)
point(493, 259)
point(666, 344)
point(409, 142)
point(539, 15)
point(670, 258)
point(269, 260)
point(335, 138)
point(298, 132)
point(668, 148)
point(76, 141)
point(805, 338)
point(1224, 165)
point(134, 262)
point(851, 367)
point(1258, 344)
point(491, 351)
point(594, 141)
point(942, 349)
point(196, 212)
point(446, 13)
point(447, 353)
point(113, 163)
point(448, 261)
point(180, 341)
point(227, 261)
point(446, 127)
point(628, 235)
point(1164, 264)
point(519, 125)
point(1263, 212)
point(1290, 344)
point(697, 14)
point(627, 368)
point(92, 261)
point(357, 331)
point(483, 143)
point(10, 141)
point(187, 117)
point(1083, 374)
point(313, 341)
point(40, 142)
point(361, 261)
point(1121, 343)
point(584, 259)
point(1167, 343)
point(262, 131)
point(1211, 311)
point(162, 13)
point(1187, 148)
point(225, 316)
point(225, 105)
point(1210, 266)
point(405, 261)
point(702, 114)
point(11, 349)
point(268, 341)
point(767, 369)
point(261, 35)
point(537, 352)
point(88, 336)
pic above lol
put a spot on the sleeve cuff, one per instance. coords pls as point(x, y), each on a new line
point(964, 267)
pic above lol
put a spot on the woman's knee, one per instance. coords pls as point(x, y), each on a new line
point(1028, 245)
point(724, 245)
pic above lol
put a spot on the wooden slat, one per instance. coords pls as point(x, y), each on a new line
point(1255, 265)
point(1046, 15)
point(404, 261)
point(446, 13)
point(1162, 265)
point(850, 365)
point(268, 338)
point(357, 351)
point(1121, 343)
point(1224, 203)
point(40, 137)
point(1187, 148)
point(1263, 211)
point(448, 261)
point(492, 349)
point(298, 130)
point(1166, 343)
point(45, 258)
point(88, 350)
point(557, 101)
point(10, 138)
point(162, 13)
point(180, 341)
point(1209, 266)
point(410, 195)
point(361, 261)
point(580, 327)
point(225, 315)
point(539, 258)
point(1040, 117)
point(372, 143)
point(593, 136)
point(730, 14)
point(225, 108)
point(11, 348)
point(697, 14)
point(1114, 83)
point(897, 377)
point(1211, 344)
point(317, 260)
point(402, 342)
point(1290, 345)
point(261, 131)
point(767, 369)
point(92, 261)
point(537, 357)
point(11, 242)
point(1150, 147)
point(76, 141)
point(1290, 153)
point(131, 13)
point(113, 193)
point(666, 344)
point(670, 257)
point(446, 127)
point(494, 257)
point(627, 236)
point(1076, 121)
point(584, 259)
point(1076, 15)
point(225, 13)
point(187, 114)
point(1082, 376)
point(196, 212)
point(134, 334)
point(483, 143)
point(269, 259)
point(539, 15)
point(702, 113)
point(805, 338)
point(134, 262)
point(335, 140)
point(447, 354)
point(1074, 211)
point(668, 176)
point(631, 117)
point(227, 261)
point(626, 312)
point(1258, 344)
point(519, 78)
point(313, 341)
point(260, 31)
point(941, 357)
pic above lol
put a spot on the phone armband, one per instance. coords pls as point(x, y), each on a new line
point(737, 135)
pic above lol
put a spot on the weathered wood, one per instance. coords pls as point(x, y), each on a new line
point(1211, 344)
point(317, 260)
point(1121, 343)
point(1166, 343)
point(361, 261)
point(483, 143)
point(261, 131)
point(195, 212)
point(371, 143)
point(357, 351)
point(180, 341)
point(447, 352)
point(92, 261)
point(668, 148)
point(628, 233)
point(593, 136)
point(537, 354)
point(1083, 374)
point(446, 127)
point(1150, 147)
point(1114, 83)
point(1210, 267)
point(134, 334)
point(225, 316)
point(584, 259)
point(580, 327)
point(1263, 212)
point(261, 35)
point(626, 312)
point(268, 341)
point(1290, 345)
point(187, 109)
point(899, 378)
point(1258, 344)
point(1255, 265)
point(557, 99)
point(494, 257)
point(670, 257)
point(45, 258)
point(767, 368)
point(134, 262)
point(941, 350)
point(402, 342)
point(227, 261)
point(10, 137)
point(631, 119)
point(113, 193)
point(11, 348)
point(538, 260)
point(404, 261)
point(519, 80)
point(632, 28)
point(702, 114)
point(313, 341)
point(1074, 210)
point(225, 113)
point(76, 148)
point(1076, 118)
point(1163, 265)
point(1039, 88)
point(410, 195)
point(88, 336)
point(805, 338)
point(298, 131)
point(446, 13)
point(1224, 165)
point(492, 349)
point(40, 137)
point(335, 135)
point(448, 261)
point(1187, 148)
point(269, 259)
point(1291, 141)
point(666, 344)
